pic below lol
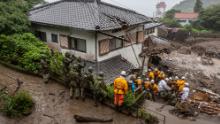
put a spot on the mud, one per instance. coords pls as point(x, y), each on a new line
point(53, 105)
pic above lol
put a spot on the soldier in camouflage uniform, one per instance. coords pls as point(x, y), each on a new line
point(45, 70)
point(88, 81)
point(66, 63)
point(74, 80)
point(99, 89)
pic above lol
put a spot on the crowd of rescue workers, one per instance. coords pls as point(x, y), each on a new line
point(155, 84)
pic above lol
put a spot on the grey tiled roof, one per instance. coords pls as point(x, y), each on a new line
point(151, 25)
point(112, 67)
point(85, 14)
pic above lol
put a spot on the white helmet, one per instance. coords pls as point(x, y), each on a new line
point(176, 77)
point(149, 69)
point(147, 79)
point(166, 79)
point(152, 81)
point(187, 84)
point(123, 73)
point(183, 78)
point(170, 78)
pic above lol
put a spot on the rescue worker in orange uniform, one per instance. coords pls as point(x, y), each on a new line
point(139, 83)
point(120, 89)
point(161, 75)
point(153, 90)
point(156, 75)
point(147, 84)
point(181, 84)
point(150, 74)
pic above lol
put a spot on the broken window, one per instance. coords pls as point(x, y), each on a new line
point(41, 35)
point(77, 44)
point(103, 46)
point(64, 41)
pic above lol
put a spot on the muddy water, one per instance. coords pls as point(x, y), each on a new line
point(53, 105)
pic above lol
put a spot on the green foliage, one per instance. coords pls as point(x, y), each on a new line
point(169, 19)
point(171, 13)
point(23, 50)
point(170, 22)
point(17, 105)
point(188, 5)
point(198, 6)
point(210, 18)
point(110, 92)
point(56, 63)
point(13, 18)
point(129, 99)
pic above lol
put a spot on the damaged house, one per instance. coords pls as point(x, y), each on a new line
point(108, 36)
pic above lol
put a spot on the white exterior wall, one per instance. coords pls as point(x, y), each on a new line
point(88, 36)
point(155, 33)
point(125, 52)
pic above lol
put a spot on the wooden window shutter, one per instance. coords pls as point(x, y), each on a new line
point(64, 41)
point(140, 36)
point(103, 46)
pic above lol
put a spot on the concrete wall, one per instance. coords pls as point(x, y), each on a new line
point(88, 36)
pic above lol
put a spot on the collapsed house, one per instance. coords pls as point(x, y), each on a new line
point(109, 37)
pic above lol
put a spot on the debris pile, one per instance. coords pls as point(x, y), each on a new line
point(206, 100)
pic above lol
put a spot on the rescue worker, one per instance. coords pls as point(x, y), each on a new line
point(181, 83)
point(45, 70)
point(163, 88)
point(132, 83)
point(139, 83)
point(147, 84)
point(90, 79)
point(100, 89)
point(185, 92)
point(156, 75)
point(153, 90)
point(150, 74)
point(161, 75)
point(74, 80)
point(120, 89)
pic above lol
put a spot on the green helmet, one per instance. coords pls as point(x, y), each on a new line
point(90, 69)
point(67, 54)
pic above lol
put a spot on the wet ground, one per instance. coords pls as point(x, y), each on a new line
point(53, 105)
point(154, 108)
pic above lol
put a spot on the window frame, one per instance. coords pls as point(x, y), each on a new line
point(39, 35)
point(53, 34)
point(76, 44)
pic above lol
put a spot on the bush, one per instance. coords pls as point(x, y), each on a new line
point(56, 63)
point(18, 105)
point(23, 50)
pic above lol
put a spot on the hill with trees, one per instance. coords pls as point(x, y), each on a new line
point(188, 5)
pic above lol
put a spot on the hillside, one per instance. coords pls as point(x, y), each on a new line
point(188, 5)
